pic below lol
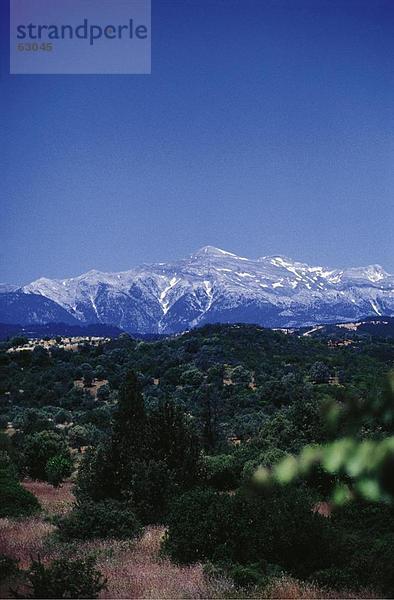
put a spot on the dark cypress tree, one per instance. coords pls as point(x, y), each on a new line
point(173, 441)
point(109, 470)
point(129, 429)
point(150, 458)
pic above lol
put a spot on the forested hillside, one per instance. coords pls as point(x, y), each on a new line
point(172, 432)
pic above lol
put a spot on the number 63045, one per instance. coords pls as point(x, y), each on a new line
point(34, 47)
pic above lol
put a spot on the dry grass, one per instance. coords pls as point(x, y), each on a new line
point(139, 572)
point(23, 539)
point(55, 501)
point(134, 569)
point(290, 589)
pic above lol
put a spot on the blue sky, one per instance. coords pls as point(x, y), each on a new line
point(266, 127)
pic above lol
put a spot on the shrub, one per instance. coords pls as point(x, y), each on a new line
point(15, 501)
point(65, 579)
point(39, 448)
point(199, 526)
point(242, 576)
point(222, 471)
point(8, 567)
point(367, 554)
point(151, 487)
point(105, 519)
point(282, 529)
point(264, 459)
point(247, 576)
point(247, 528)
point(96, 475)
point(57, 469)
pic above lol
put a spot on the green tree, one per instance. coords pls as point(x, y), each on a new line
point(39, 448)
point(222, 471)
point(151, 455)
point(81, 435)
point(241, 375)
point(103, 393)
point(319, 372)
point(15, 501)
point(247, 528)
point(129, 426)
point(33, 421)
point(57, 469)
point(87, 374)
point(173, 440)
point(193, 377)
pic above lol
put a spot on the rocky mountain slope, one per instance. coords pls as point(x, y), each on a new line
point(21, 308)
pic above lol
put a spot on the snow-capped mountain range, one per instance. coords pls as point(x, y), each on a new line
point(210, 286)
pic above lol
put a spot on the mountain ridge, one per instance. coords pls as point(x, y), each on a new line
point(214, 285)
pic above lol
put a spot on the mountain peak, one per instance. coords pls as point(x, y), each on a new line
point(213, 251)
point(210, 250)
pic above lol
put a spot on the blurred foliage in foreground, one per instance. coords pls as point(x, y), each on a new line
point(360, 464)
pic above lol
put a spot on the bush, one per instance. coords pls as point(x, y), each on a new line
point(39, 448)
point(8, 567)
point(222, 471)
point(199, 526)
point(57, 469)
point(247, 576)
point(282, 529)
point(15, 501)
point(243, 576)
point(247, 528)
point(96, 475)
point(151, 487)
point(264, 459)
point(367, 554)
point(65, 579)
point(104, 519)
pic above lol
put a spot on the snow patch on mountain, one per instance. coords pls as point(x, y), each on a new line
point(163, 298)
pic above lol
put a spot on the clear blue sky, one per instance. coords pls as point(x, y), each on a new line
point(266, 127)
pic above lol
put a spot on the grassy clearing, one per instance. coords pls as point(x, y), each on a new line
point(134, 569)
point(54, 501)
